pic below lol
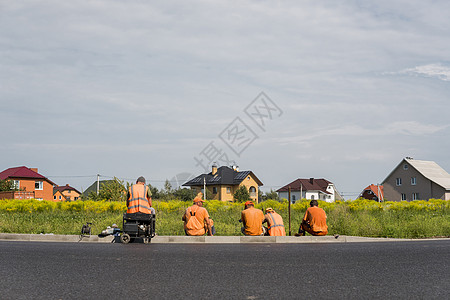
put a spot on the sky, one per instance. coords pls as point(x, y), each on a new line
point(341, 90)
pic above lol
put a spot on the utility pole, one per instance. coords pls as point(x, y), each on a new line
point(98, 183)
point(204, 187)
point(289, 209)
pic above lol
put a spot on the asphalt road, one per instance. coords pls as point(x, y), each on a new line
point(388, 270)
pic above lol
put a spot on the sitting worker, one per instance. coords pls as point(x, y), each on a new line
point(252, 219)
point(275, 226)
point(196, 218)
point(314, 221)
point(139, 198)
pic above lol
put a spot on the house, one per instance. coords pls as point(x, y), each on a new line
point(96, 187)
point(415, 179)
point(69, 193)
point(311, 189)
point(221, 183)
point(29, 180)
point(373, 192)
point(58, 196)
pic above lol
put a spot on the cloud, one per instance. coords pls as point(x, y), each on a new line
point(437, 70)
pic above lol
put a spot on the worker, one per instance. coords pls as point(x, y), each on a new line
point(139, 198)
point(252, 219)
point(314, 222)
point(274, 223)
point(196, 218)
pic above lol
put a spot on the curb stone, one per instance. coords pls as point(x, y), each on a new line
point(204, 239)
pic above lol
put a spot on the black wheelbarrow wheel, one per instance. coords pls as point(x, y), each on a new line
point(125, 238)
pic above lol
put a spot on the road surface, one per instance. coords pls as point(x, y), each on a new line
point(415, 270)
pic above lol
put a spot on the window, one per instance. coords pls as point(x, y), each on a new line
point(415, 196)
point(214, 190)
point(398, 181)
point(228, 190)
point(252, 191)
point(16, 184)
point(403, 197)
point(293, 197)
point(39, 185)
point(413, 181)
point(405, 167)
point(60, 197)
point(54, 197)
point(312, 197)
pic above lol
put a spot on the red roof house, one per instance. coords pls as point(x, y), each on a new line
point(29, 180)
point(373, 192)
point(69, 193)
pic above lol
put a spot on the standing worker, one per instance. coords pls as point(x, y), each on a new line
point(252, 220)
point(196, 218)
point(139, 198)
point(274, 223)
point(314, 222)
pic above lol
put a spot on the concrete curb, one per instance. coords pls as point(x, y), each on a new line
point(204, 239)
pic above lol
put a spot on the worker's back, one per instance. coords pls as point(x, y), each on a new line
point(252, 219)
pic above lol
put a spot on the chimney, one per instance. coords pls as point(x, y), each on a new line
point(214, 169)
point(311, 180)
point(34, 169)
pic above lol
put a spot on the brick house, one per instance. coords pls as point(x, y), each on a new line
point(69, 193)
point(29, 180)
point(221, 183)
point(373, 192)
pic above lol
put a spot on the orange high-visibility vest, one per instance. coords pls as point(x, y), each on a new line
point(138, 201)
point(276, 226)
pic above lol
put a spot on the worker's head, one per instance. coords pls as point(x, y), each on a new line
point(141, 179)
point(313, 203)
point(199, 201)
point(249, 204)
point(269, 210)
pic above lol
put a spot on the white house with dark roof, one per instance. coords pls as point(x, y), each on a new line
point(415, 179)
point(311, 189)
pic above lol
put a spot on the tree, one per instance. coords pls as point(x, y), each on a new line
point(184, 194)
point(272, 195)
point(7, 185)
point(241, 194)
point(155, 193)
point(113, 190)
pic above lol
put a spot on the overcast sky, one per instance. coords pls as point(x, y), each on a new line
point(128, 88)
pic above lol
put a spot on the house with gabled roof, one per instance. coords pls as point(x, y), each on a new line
point(29, 180)
point(69, 193)
point(311, 189)
point(373, 192)
point(222, 182)
point(415, 179)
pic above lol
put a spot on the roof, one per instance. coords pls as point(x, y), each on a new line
point(65, 188)
point(22, 172)
point(224, 176)
point(310, 184)
point(93, 187)
point(374, 189)
point(429, 169)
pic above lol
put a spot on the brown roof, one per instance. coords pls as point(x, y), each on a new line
point(65, 188)
point(22, 172)
point(310, 184)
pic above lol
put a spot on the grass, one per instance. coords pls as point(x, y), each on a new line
point(416, 219)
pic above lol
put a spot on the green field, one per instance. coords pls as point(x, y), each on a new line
point(416, 219)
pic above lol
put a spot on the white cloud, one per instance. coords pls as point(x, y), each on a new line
point(438, 71)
